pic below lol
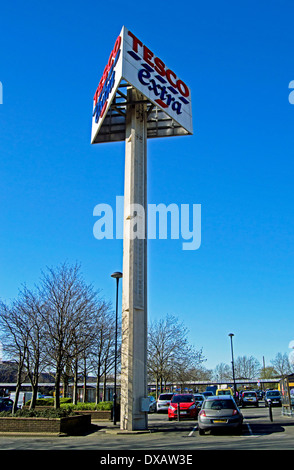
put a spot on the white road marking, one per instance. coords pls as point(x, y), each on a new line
point(249, 429)
point(193, 430)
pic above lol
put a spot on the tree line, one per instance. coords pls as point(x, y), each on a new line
point(248, 368)
point(64, 327)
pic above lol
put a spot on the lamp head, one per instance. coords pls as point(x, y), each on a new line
point(116, 275)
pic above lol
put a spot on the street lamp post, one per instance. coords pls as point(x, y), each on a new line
point(233, 368)
point(117, 276)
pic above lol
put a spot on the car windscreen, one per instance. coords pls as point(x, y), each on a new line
point(182, 399)
point(219, 405)
point(165, 396)
point(248, 394)
point(272, 394)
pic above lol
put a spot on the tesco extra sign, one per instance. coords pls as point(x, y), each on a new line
point(131, 60)
point(166, 87)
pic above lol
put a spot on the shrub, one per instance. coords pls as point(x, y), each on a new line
point(46, 413)
point(66, 404)
point(48, 401)
point(104, 405)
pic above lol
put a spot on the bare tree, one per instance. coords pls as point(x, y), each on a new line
point(30, 310)
point(170, 356)
point(247, 367)
point(281, 364)
point(15, 337)
point(222, 372)
point(102, 357)
point(69, 302)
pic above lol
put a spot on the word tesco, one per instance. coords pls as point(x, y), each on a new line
point(159, 66)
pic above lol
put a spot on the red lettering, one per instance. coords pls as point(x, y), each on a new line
point(135, 41)
point(116, 46)
point(182, 87)
point(103, 109)
point(159, 66)
point(147, 56)
point(168, 74)
point(110, 60)
point(105, 72)
point(107, 68)
point(96, 97)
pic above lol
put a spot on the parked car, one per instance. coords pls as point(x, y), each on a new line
point(224, 391)
point(6, 404)
point(211, 388)
point(199, 399)
point(219, 412)
point(187, 406)
point(249, 398)
point(163, 402)
point(274, 396)
point(259, 394)
point(208, 394)
point(152, 404)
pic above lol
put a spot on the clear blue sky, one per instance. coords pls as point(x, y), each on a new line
point(237, 58)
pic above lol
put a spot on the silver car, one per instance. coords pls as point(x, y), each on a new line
point(219, 412)
point(163, 402)
point(249, 398)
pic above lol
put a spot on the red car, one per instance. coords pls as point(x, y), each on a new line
point(187, 404)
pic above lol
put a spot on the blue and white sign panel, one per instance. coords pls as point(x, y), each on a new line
point(133, 62)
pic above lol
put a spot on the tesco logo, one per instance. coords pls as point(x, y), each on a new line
point(159, 66)
point(106, 82)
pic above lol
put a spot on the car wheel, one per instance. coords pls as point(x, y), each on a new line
point(201, 432)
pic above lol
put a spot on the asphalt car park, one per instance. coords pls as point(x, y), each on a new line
point(258, 433)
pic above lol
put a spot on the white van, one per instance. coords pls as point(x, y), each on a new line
point(21, 397)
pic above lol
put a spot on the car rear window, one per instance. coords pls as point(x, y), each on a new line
point(273, 394)
point(219, 405)
point(249, 394)
point(182, 398)
point(165, 396)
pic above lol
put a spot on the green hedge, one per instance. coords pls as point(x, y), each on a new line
point(66, 404)
point(46, 413)
point(48, 401)
point(104, 405)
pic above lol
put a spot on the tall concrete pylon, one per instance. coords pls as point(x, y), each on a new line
point(157, 104)
point(134, 295)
